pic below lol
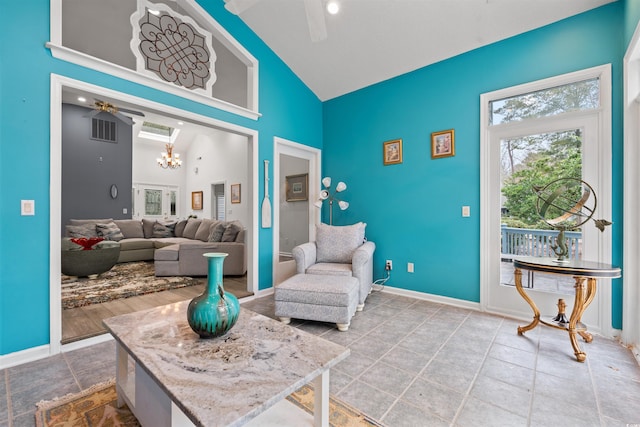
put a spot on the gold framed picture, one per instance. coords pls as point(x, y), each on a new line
point(443, 144)
point(297, 187)
point(196, 200)
point(392, 152)
point(235, 193)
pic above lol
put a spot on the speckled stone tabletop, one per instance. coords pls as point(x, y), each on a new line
point(228, 380)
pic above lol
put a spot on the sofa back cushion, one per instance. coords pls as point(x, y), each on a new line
point(191, 228)
point(203, 230)
point(180, 228)
point(130, 228)
point(231, 231)
point(338, 243)
point(84, 230)
point(162, 229)
point(109, 231)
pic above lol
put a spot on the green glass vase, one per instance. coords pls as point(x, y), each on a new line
point(214, 312)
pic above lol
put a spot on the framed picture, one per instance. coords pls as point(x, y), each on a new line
point(235, 193)
point(297, 187)
point(443, 144)
point(392, 152)
point(196, 200)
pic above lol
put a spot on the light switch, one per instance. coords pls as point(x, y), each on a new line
point(466, 211)
point(27, 207)
point(124, 211)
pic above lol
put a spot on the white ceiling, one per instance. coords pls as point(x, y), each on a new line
point(373, 40)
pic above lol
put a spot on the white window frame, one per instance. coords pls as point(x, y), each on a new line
point(488, 182)
point(192, 9)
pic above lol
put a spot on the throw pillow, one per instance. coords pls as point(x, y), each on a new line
point(216, 231)
point(109, 231)
point(203, 230)
point(84, 230)
point(163, 229)
point(191, 228)
point(147, 227)
point(180, 228)
point(89, 221)
point(231, 231)
point(338, 243)
point(130, 228)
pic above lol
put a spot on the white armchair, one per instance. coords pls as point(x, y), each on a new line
point(339, 251)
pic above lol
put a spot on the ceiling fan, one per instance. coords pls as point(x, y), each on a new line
point(105, 107)
point(314, 9)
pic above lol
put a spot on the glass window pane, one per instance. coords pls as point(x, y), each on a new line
point(153, 202)
point(172, 203)
point(584, 95)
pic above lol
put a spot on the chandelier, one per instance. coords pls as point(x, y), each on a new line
point(168, 159)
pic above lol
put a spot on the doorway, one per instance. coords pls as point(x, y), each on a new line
point(591, 125)
point(59, 85)
point(295, 219)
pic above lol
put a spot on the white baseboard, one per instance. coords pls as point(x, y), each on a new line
point(87, 342)
point(433, 298)
point(24, 356)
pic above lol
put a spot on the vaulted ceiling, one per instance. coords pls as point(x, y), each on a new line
point(369, 41)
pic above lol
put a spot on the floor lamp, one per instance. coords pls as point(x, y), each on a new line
point(326, 194)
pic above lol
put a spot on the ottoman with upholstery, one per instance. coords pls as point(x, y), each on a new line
point(317, 297)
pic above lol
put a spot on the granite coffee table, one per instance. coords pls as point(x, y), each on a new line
point(175, 378)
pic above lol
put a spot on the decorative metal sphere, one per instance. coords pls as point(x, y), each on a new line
point(566, 203)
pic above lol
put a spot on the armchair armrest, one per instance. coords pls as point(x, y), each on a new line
point(363, 254)
point(305, 256)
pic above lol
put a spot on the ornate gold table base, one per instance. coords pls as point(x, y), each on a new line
point(585, 288)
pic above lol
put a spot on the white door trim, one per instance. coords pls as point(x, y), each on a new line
point(631, 238)
point(57, 84)
point(314, 156)
point(489, 198)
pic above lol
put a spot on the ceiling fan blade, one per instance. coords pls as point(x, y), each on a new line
point(238, 6)
point(123, 118)
point(92, 113)
point(316, 20)
point(137, 113)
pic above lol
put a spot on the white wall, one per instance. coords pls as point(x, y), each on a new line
point(218, 157)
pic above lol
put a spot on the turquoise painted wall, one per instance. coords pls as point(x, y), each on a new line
point(289, 110)
point(631, 18)
point(413, 210)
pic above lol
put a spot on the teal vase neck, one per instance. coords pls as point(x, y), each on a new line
point(214, 276)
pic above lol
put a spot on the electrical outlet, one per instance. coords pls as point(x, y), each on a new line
point(388, 265)
point(409, 267)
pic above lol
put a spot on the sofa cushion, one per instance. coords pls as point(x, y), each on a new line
point(130, 228)
point(203, 230)
point(109, 231)
point(147, 227)
point(216, 231)
point(338, 243)
point(89, 221)
point(136, 243)
point(84, 230)
point(191, 228)
point(231, 231)
point(163, 229)
point(168, 253)
point(180, 228)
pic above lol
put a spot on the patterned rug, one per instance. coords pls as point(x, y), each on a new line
point(122, 281)
point(96, 406)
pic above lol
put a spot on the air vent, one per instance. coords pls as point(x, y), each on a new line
point(103, 130)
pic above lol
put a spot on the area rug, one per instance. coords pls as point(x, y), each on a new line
point(124, 280)
point(96, 407)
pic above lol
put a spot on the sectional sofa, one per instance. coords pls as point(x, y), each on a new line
point(176, 247)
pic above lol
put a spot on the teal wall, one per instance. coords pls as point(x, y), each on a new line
point(413, 210)
point(631, 18)
point(289, 110)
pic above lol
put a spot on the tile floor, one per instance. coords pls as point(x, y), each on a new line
point(413, 363)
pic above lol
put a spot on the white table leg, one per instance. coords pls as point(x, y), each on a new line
point(122, 373)
point(321, 400)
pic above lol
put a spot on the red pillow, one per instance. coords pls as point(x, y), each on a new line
point(87, 244)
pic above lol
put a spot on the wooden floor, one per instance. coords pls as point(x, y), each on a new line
point(84, 322)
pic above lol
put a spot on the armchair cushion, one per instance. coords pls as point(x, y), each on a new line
point(336, 244)
point(330, 269)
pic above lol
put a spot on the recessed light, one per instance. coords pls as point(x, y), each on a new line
point(180, 123)
point(82, 99)
point(333, 7)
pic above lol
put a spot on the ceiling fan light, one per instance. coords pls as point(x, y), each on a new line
point(333, 7)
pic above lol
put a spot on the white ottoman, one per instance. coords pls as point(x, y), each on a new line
point(316, 297)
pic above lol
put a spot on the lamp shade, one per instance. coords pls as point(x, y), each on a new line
point(318, 204)
point(326, 181)
point(343, 205)
point(324, 195)
point(341, 186)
